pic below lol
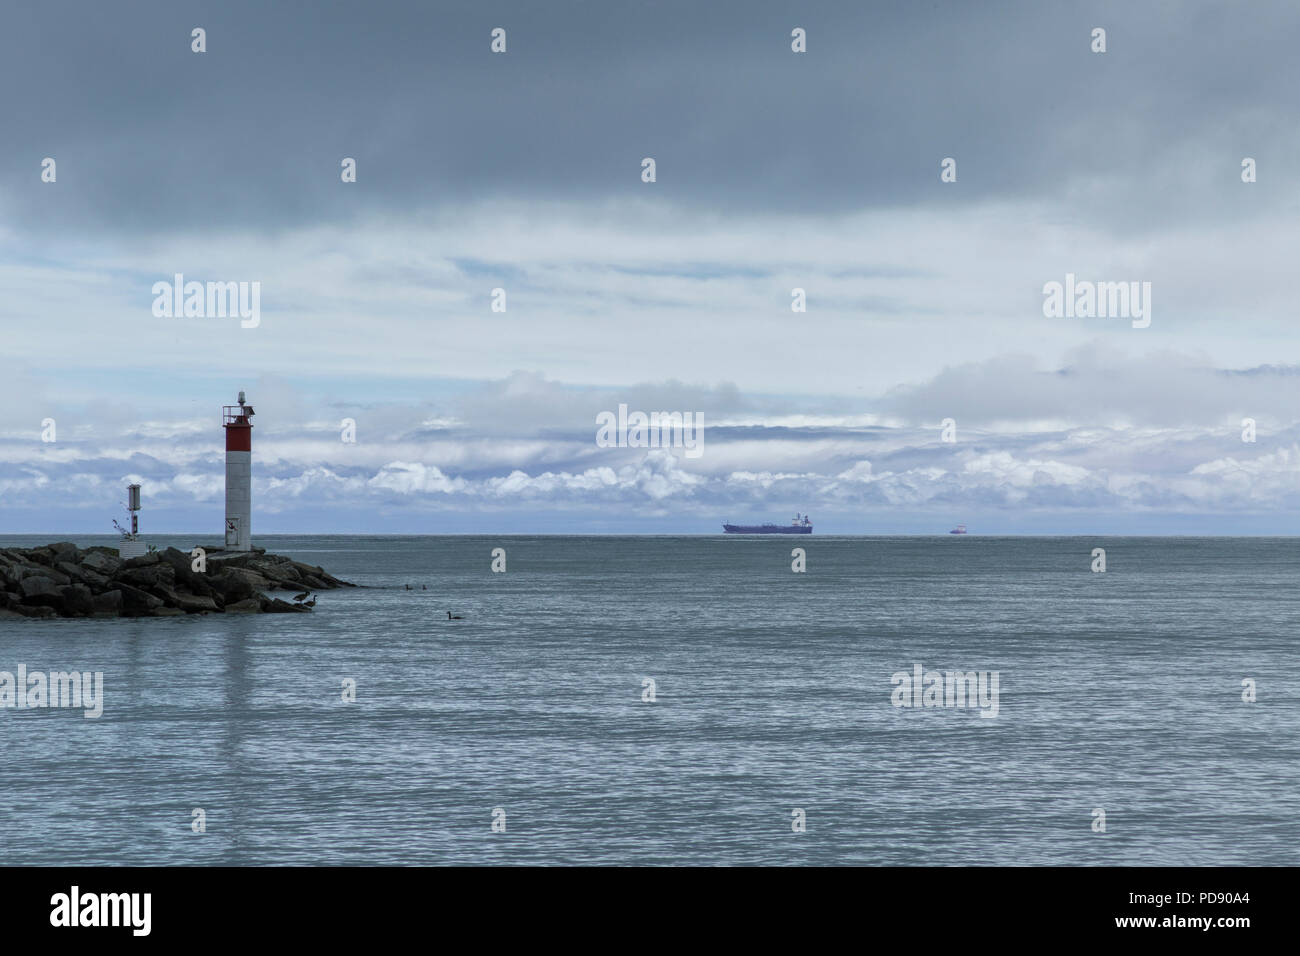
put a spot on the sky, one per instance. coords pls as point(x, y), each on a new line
point(775, 170)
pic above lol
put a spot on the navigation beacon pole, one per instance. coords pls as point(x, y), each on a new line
point(239, 476)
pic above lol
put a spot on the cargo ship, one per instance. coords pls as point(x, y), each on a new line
point(799, 524)
point(960, 529)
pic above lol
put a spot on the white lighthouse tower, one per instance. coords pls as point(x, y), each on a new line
point(239, 475)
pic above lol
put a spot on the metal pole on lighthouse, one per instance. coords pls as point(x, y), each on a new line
point(239, 475)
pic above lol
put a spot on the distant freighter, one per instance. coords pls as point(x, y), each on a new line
point(800, 524)
point(960, 529)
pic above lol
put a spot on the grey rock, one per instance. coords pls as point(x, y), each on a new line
point(60, 579)
point(189, 603)
point(37, 610)
point(101, 562)
point(276, 606)
point(184, 574)
point(97, 581)
point(36, 588)
point(77, 601)
point(135, 601)
point(110, 603)
point(252, 605)
point(64, 551)
point(239, 584)
point(41, 571)
point(73, 571)
point(149, 576)
point(39, 556)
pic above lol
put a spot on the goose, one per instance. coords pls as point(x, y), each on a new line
point(303, 596)
point(311, 603)
point(454, 617)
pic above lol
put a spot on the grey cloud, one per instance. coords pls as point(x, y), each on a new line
point(900, 477)
point(1103, 387)
point(153, 138)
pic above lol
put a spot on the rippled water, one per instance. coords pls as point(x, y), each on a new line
point(1119, 691)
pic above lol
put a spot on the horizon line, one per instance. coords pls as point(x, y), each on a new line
point(660, 534)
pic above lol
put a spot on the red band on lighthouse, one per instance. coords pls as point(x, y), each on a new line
point(239, 438)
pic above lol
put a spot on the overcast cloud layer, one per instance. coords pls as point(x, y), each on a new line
point(775, 171)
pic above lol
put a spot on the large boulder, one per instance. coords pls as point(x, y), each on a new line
point(64, 551)
point(279, 571)
point(184, 574)
point(136, 602)
point(9, 565)
point(80, 574)
point(238, 584)
point(42, 571)
point(282, 574)
point(252, 605)
point(327, 580)
point(189, 603)
point(96, 581)
point(39, 589)
point(109, 603)
point(147, 576)
point(101, 562)
point(40, 556)
point(77, 601)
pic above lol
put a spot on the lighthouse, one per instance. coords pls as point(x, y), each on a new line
point(239, 476)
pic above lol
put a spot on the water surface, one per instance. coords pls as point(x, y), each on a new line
point(1119, 691)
